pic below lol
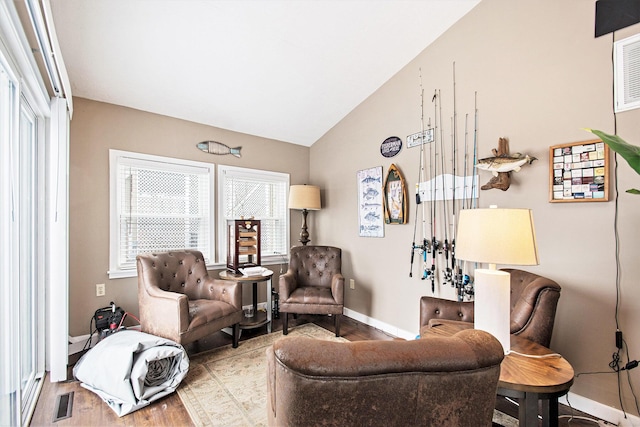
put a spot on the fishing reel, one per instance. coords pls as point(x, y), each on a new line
point(465, 288)
point(434, 245)
point(448, 277)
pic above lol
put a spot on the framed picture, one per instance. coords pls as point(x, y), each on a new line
point(395, 197)
point(370, 203)
point(579, 172)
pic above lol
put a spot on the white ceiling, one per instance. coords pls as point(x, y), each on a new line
point(281, 69)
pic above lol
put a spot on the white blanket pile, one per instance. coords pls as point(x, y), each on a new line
point(131, 369)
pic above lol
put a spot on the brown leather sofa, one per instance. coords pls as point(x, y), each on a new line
point(178, 300)
point(435, 381)
point(313, 284)
point(533, 307)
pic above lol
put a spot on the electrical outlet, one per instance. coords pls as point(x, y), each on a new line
point(352, 284)
point(100, 291)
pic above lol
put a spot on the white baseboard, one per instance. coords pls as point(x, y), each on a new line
point(612, 415)
point(77, 344)
point(385, 327)
point(591, 407)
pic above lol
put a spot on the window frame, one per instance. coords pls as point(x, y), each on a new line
point(115, 156)
point(275, 258)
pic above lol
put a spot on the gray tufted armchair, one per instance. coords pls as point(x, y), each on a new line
point(179, 301)
point(313, 284)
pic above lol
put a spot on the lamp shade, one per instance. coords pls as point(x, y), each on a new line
point(497, 236)
point(304, 197)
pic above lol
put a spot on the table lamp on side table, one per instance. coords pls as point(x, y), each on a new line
point(495, 236)
point(305, 198)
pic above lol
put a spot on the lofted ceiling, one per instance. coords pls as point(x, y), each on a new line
point(282, 69)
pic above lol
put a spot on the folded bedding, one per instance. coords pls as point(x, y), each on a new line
point(131, 369)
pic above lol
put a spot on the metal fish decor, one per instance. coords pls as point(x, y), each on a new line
point(214, 147)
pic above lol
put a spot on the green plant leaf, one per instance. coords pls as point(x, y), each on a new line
point(633, 191)
point(630, 153)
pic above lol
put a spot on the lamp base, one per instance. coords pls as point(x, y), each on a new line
point(304, 234)
point(492, 304)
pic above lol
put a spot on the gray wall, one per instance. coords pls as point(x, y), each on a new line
point(97, 127)
point(540, 77)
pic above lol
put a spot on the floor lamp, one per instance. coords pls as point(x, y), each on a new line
point(306, 198)
point(495, 236)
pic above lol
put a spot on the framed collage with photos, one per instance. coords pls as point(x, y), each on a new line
point(579, 172)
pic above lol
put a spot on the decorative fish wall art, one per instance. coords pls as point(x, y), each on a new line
point(501, 165)
point(218, 148)
point(504, 163)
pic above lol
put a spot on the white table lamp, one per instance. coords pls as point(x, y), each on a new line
point(495, 236)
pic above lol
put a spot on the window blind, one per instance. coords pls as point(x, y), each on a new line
point(162, 206)
point(262, 195)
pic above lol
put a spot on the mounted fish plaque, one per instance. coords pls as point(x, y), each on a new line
point(501, 165)
point(391, 146)
point(218, 148)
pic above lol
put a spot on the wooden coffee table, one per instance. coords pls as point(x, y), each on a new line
point(541, 375)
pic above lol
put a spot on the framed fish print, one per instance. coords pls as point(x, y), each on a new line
point(579, 172)
point(370, 203)
point(395, 197)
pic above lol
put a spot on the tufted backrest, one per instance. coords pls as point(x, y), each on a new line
point(182, 271)
point(534, 300)
point(315, 265)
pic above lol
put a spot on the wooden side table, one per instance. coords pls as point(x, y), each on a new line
point(259, 318)
point(541, 375)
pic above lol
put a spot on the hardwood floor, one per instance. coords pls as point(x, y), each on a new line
point(89, 410)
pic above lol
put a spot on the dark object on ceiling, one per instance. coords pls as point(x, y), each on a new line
point(612, 15)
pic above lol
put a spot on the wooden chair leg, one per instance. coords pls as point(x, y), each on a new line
point(285, 323)
point(336, 321)
point(236, 335)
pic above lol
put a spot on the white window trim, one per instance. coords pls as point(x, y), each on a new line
point(114, 271)
point(222, 225)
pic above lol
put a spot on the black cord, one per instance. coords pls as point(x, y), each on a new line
point(91, 332)
point(594, 373)
point(615, 358)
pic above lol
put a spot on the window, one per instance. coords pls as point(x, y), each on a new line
point(259, 194)
point(158, 204)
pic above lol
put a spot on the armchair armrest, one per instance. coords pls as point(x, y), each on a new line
point(442, 309)
point(286, 285)
point(337, 287)
point(174, 309)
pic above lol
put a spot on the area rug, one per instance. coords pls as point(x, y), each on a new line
point(227, 386)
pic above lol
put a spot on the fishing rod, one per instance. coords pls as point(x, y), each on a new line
point(455, 180)
point(445, 213)
point(474, 200)
point(466, 286)
point(465, 161)
point(433, 244)
point(423, 248)
point(461, 279)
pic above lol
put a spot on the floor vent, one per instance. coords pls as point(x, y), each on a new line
point(64, 405)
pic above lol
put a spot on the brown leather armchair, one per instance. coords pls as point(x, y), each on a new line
point(178, 300)
point(533, 307)
point(313, 284)
point(436, 381)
